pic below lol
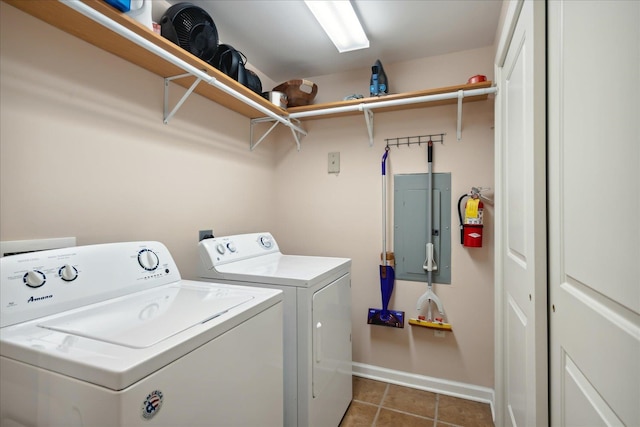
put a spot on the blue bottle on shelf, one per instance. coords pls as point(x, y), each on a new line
point(378, 83)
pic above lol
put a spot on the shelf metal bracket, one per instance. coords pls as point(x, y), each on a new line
point(168, 115)
point(459, 126)
point(368, 107)
point(368, 117)
point(199, 74)
point(297, 131)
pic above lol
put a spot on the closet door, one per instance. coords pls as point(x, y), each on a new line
point(594, 212)
point(521, 267)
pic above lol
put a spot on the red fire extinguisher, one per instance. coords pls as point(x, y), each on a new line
point(471, 227)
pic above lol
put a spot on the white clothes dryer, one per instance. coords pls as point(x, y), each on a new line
point(109, 335)
point(317, 319)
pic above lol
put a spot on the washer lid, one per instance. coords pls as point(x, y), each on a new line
point(104, 343)
point(287, 270)
point(145, 319)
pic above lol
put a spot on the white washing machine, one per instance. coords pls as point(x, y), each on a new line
point(317, 319)
point(109, 335)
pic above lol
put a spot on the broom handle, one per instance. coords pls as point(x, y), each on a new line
point(384, 206)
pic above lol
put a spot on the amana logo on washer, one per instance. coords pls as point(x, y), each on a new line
point(152, 404)
point(34, 299)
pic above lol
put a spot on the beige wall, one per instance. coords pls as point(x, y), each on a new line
point(84, 153)
point(409, 76)
point(321, 213)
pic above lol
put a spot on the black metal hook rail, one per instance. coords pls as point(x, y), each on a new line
point(411, 140)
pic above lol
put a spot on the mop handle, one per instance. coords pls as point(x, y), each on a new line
point(384, 206)
point(430, 192)
point(430, 208)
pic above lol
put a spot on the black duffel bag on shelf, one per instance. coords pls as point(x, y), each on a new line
point(232, 62)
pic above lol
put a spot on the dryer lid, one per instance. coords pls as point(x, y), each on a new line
point(144, 319)
point(286, 270)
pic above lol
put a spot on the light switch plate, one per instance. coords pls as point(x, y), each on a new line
point(334, 162)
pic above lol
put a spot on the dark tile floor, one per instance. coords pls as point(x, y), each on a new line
point(378, 404)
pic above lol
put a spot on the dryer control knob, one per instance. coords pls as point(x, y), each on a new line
point(231, 246)
point(68, 273)
point(220, 248)
point(265, 242)
point(34, 278)
point(148, 259)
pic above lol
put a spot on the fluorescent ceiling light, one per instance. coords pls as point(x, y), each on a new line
point(339, 21)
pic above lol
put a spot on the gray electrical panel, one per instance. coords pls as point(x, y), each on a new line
point(410, 226)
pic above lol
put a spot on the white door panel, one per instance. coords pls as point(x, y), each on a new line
point(600, 142)
point(594, 199)
point(513, 92)
point(522, 384)
point(599, 343)
point(583, 404)
point(516, 356)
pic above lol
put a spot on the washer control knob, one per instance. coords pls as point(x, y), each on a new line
point(68, 273)
point(220, 248)
point(231, 246)
point(34, 278)
point(148, 259)
point(266, 242)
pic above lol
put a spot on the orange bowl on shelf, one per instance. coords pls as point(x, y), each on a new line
point(477, 79)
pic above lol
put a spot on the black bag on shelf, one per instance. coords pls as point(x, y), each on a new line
point(232, 62)
point(253, 81)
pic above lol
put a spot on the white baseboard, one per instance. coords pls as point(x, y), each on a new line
point(421, 382)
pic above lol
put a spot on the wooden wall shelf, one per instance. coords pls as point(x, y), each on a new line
point(163, 63)
point(401, 96)
point(65, 18)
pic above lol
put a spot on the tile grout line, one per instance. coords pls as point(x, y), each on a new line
point(380, 406)
point(375, 419)
point(414, 415)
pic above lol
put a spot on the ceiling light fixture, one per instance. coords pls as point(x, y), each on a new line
point(339, 21)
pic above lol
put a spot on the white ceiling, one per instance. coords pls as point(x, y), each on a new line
point(283, 40)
